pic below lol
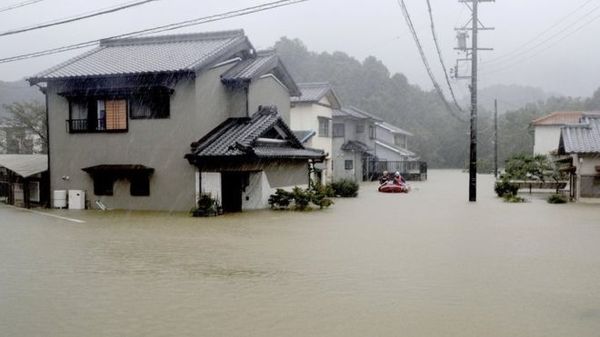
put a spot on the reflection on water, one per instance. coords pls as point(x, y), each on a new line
point(423, 264)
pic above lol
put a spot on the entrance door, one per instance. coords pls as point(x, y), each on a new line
point(232, 186)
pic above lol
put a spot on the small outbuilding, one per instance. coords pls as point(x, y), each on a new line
point(24, 179)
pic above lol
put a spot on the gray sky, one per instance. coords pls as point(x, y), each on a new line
point(359, 27)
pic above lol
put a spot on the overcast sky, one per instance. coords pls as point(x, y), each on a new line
point(565, 64)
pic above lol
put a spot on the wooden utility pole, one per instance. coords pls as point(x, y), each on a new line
point(472, 55)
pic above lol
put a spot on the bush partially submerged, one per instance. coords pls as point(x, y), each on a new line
point(513, 198)
point(345, 188)
point(300, 198)
point(557, 199)
point(505, 188)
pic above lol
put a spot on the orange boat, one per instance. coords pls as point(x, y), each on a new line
point(390, 187)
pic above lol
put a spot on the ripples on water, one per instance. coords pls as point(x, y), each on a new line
point(423, 264)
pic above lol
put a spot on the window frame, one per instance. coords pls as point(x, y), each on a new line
point(372, 132)
point(145, 100)
point(324, 122)
point(338, 134)
point(349, 164)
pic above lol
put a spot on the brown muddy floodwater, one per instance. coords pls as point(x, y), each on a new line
point(423, 264)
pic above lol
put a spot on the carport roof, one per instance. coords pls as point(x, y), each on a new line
point(25, 165)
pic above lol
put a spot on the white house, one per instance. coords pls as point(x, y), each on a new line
point(547, 130)
point(582, 143)
point(311, 116)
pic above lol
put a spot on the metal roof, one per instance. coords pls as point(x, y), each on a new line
point(157, 54)
point(582, 138)
point(314, 92)
point(25, 165)
point(241, 137)
point(558, 118)
point(392, 128)
point(398, 150)
point(354, 113)
point(262, 63)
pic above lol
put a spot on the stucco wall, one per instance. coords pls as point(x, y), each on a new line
point(269, 91)
point(546, 139)
point(196, 107)
point(305, 116)
point(384, 153)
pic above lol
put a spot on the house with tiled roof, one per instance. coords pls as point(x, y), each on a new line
point(151, 122)
point(581, 142)
point(547, 130)
point(364, 145)
point(311, 116)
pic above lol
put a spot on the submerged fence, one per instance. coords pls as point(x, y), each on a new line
point(410, 170)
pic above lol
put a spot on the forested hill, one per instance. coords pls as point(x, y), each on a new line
point(439, 138)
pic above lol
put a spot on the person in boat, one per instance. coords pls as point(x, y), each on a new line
point(384, 178)
point(398, 179)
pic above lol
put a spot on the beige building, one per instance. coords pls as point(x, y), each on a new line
point(547, 130)
point(311, 117)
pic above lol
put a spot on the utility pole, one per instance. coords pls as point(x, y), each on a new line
point(496, 138)
point(472, 54)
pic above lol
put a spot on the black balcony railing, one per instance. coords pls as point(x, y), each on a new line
point(92, 126)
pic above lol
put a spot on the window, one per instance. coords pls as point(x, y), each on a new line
point(139, 186)
point(400, 140)
point(323, 127)
point(103, 185)
point(339, 130)
point(97, 115)
point(371, 132)
point(360, 128)
point(151, 105)
point(348, 164)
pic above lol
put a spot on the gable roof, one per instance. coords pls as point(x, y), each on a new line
point(314, 92)
point(400, 151)
point(25, 165)
point(558, 118)
point(150, 55)
point(393, 129)
point(304, 135)
point(358, 146)
point(355, 113)
point(262, 63)
point(247, 138)
point(581, 138)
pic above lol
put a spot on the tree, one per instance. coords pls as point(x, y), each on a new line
point(26, 123)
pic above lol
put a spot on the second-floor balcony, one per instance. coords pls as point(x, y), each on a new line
point(95, 126)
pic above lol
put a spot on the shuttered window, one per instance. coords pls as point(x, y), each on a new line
point(116, 114)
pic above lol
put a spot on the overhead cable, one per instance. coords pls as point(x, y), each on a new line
point(19, 5)
point(441, 57)
point(77, 18)
point(159, 29)
point(436, 85)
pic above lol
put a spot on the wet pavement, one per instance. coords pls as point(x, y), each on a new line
point(427, 263)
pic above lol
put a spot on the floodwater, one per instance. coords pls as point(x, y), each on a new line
point(424, 264)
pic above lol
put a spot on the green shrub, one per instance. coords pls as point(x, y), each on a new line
point(345, 188)
point(557, 199)
point(301, 198)
point(319, 194)
point(504, 188)
point(281, 199)
point(207, 206)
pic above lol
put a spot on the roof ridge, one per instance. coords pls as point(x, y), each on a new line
point(171, 38)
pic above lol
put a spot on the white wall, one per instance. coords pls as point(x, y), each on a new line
point(306, 117)
point(257, 193)
point(210, 182)
point(546, 139)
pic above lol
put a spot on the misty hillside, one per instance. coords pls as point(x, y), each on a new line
point(510, 97)
point(11, 92)
point(439, 138)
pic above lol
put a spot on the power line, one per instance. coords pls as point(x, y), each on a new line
point(549, 29)
point(159, 29)
point(19, 5)
point(441, 57)
point(519, 61)
point(425, 62)
point(77, 18)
